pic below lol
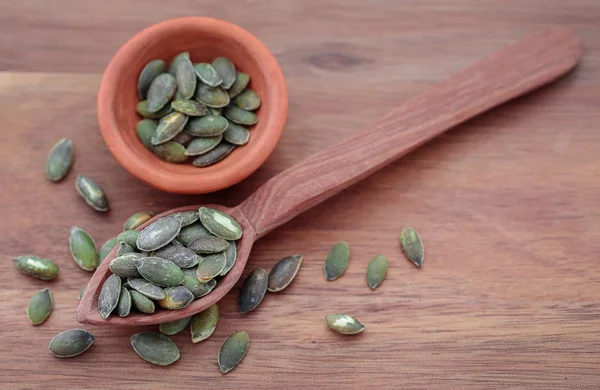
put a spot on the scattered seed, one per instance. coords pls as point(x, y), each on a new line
point(92, 193)
point(71, 343)
point(83, 249)
point(155, 348)
point(233, 351)
point(337, 261)
point(412, 246)
point(284, 272)
point(36, 266)
point(204, 323)
point(253, 290)
point(376, 271)
point(59, 160)
point(344, 324)
point(40, 306)
point(82, 291)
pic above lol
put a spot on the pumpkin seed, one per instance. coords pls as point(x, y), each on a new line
point(137, 220)
point(210, 267)
point(175, 61)
point(124, 249)
point(192, 232)
point(169, 127)
point(129, 237)
point(247, 100)
point(209, 244)
point(59, 160)
point(412, 246)
point(82, 291)
point(124, 266)
point(189, 107)
point(124, 304)
point(215, 111)
point(215, 97)
point(92, 193)
point(204, 323)
point(337, 260)
point(148, 74)
point(240, 83)
point(344, 324)
point(83, 249)
point(207, 126)
point(233, 351)
point(159, 233)
point(188, 217)
point(106, 248)
point(236, 134)
point(176, 298)
point(284, 272)
point(155, 348)
point(207, 74)
point(146, 288)
point(239, 116)
point(109, 295)
point(145, 130)
point(191, 282)
point(226, 70)
point(142, 109)
point(141, 303)
point(220, 224)
point(179, 255)
point(161, 91)
point(71, 343)
point(202, 145)
point(171, 152)
point(185, 77)
point(174, 327)
point(214, 156)
point(183, 138)
point(231, 257)
point(40, 306)
point(159, 271)
point(253, 290)
point(376, 271)
point(36, 266)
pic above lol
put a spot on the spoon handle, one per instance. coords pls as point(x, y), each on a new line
point(510, 72)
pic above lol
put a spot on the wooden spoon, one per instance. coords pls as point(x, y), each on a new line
point(516, 69)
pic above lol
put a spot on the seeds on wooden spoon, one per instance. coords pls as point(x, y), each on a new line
point(181, 256)
point(106, 248)
point(176, 298)
point(124, 304)
point(141, 303)
point(146, 288)
point(220, 224)
point(159, 233)
point(159, 271)
point(129, 237)
point(208, 245)
point(192, 283)
point(211, 266)
point(109, 295)
point(231, 257)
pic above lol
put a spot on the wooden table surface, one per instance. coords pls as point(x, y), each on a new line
point(507, 204)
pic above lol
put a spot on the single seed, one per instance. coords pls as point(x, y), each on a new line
point(207, 74)
point(208, 245)
point(189, 107)
point(124, 249)
point(233, 351)
point(188, 217)
point(137, 220)
point(92, 193)
point(236, 134)
point(124, 266)
point(40, 306)
point(83, 249)
point(142, 109)
point(176, 298)
point(155, 348)
point(344, 324)
point(192, 232)
point(240, 83)
point(337, 261)
point(231, 257)
point(169, 127)
point(185, 77)
point(179, 255)
point(221, 151)
point(161, 91)
point(226, 70)
point(147, 75)
point(174, 327)
point(109, 295)
point(192, 283)
point(38, 267)
point(141, 303)
point(202, 145)
point(171, 152)
point(284, 272)
point(204, 323)
point(146, 288)
point(145, 130)
point(376, 271)
point(159, 271)
point(247, 100)
point(239, 116)
point(106, 248)
point(159, 233)
point(129, 237)
point(211, 266)
point(207, 126)
point(175, 61)
point(412, 246)
point(60, 160)
point(220, 224)
point(124, 305)
point(253, 290)
point(71, 343)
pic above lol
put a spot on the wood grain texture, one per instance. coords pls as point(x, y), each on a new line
point(506, 204)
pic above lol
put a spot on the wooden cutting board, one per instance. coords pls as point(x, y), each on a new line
point(507, 204)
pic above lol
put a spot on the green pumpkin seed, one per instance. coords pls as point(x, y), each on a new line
point(59, 160)
point(183, 138)
point(141, 303)
point(376, 271)
point(247, 100)
point(137, 220)
point(124, 304)
point(233, 351)
point(202, 145)
point(82, 291)
point(220, 224)
point(231, 257)
point(412, 246)
point(155, 348)
point(179, 255)
point(175, 61)
point(344, 324)
point(208, 245)
point(38, 267)
point(236, 134)
point(174, 327)
point(142, 109)
point(159, 233)
point(253, 290)
point(146, 288)
point(129, 237)
point(204, 323)
point(215, 111)
point(189, 107)
point(192, 232)
point(161, 91)
point(176, 298)
point(211, 266)
point(40, 306)
point(221, 151)
point(92, 193)
point(159, 271)
point(207, 74)
point(207, 126)
point(191, 282)
point(284, 272)
point(109, 295)
point(226, 70)
point(106, 248)
point(188, 217)
point(239, 116)
point(83, 249)
point(124, 266)
point(71, 343)
point(124, 249)
point(185, 77)
point(145, 131)
point(337, 260)
point(215, 97)
point(171, 152)
point(240, 83)
point(148, 74)
point(169, 127)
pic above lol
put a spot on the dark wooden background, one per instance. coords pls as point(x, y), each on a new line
point(508, 205)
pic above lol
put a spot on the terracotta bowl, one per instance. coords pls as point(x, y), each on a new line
point(204, 39)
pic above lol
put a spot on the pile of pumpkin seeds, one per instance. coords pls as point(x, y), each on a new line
point(194, 110)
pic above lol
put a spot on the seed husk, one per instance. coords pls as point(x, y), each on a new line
point(169, 127)
point(239, 116)
point(146, 288)
point(38, 267)
point(231, 257)
point(71, 343)
point(171, 152)
point(174, 327)
point(129, 237)
point(161, 91)
point(83, 249)
point(188, 217)
point(124, 304)
point(344, 324)
point(124, 266)
point(137, 220)
point(226, 70)
point(208, 245)
point(284, 272)
point(155, 348)
point(233, 351)
point(207, 126)
point(207, 74)
point(236, 134)
point(142, 303)
point(220, 224)
point(240, 83)
point(142, 109)
point(176, 298)
point(175, 61)
point(192, 232)
point(82, 291)
point(376, 271)
point(40, 307)
point(412, 246)
point(189, 107)
point(145, 130)
point(214, 156)
point(215, 97)
point(159, 271)
point(60, 160)
point(185, 77)
point(92, 193)
point(179, 255)
point(203, 324)
point(191, 282)
point(202, 145)
point(247, 100)
point(109, 295)
point(124, 249)
point(147, 75)
point(337, 260)
point(253, 290)
point(211, 266)
point(159, 233)
point(106, 248)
